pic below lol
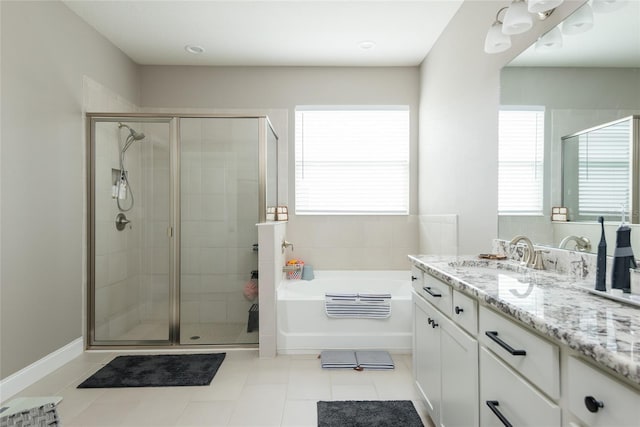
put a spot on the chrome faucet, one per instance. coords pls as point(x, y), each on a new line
point(530, 252)
point(583, 244)
point(286, 245)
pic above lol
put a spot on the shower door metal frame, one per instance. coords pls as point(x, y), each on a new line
point(264, 125)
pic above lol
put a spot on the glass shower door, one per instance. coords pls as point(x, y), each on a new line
point(130, 244)
point(218, 213)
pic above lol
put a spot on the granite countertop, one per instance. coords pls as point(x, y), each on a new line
point(556, 305)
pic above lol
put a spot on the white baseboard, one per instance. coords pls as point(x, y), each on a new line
point(22, 379)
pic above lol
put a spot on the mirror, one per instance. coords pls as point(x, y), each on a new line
point(592, 79)
point(598, 166)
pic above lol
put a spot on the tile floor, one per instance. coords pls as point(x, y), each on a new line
point(246, 391)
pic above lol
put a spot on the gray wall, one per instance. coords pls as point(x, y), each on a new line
point(327, 242)
point(46, 50)
point(459, 99)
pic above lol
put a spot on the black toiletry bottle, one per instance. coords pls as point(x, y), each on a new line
point(623, 259)
point(601, 266)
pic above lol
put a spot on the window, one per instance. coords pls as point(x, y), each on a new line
point(520, 161)
point(352, 160)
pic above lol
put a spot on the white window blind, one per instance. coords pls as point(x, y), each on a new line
point(603, 170)
point(352, 160)
point(520, 161)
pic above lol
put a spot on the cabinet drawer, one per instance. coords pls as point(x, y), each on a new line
point(540, 362)
point(416, 274)
point(512, 397)
point(465, 312)
point(436, 292)
point(588, 388)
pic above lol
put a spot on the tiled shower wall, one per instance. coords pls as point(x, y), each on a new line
point(219, 211)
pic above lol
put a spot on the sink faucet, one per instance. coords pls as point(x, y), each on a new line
point(583, 244)
point(530, 253)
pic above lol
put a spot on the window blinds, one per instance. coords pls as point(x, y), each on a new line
point(352, 161)
point(520, 161)
point(603, 170)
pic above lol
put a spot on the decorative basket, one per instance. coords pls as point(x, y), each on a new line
point(295, 272)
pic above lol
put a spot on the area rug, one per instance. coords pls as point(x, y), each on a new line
point(367, 413)
point(168, 370)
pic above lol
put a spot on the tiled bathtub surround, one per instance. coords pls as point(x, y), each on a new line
point(551, 303)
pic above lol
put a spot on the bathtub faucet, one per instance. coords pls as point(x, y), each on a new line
point(286, 244)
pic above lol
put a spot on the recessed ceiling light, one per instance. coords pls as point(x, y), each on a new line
point(367, 45)
point(194, 49)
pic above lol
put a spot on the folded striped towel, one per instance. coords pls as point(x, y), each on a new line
point(358, 306)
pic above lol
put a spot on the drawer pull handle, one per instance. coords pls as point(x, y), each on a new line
point(434, 324)
point(493, 405)
point(458, 310)
point(429, 320)
point(428, 290)
point(592, 404)
point(414, 278)
point(494, 336)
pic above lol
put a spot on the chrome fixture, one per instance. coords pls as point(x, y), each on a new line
point(517, 20)
point(583, 244)
point(123, 187)
point(286, 244)
point(528, 257)
point(121, 221)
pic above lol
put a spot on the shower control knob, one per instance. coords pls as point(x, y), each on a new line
point(121, 221)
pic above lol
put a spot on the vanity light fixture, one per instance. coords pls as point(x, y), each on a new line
point(579, 21)
point(541, 6)
point(517, 19)
point(606, 6)
point(549, 41)
point(496, 41)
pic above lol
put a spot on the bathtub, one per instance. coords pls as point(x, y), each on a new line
point(303, 326)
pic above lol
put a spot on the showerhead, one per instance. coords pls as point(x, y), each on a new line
point(135, 135)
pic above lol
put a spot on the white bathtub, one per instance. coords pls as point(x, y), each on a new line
point(303, 326)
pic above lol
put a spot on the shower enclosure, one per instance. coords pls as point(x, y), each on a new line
point(173, 204)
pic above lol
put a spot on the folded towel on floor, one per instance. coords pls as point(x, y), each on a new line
point(358, 306)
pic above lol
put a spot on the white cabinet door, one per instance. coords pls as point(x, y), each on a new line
point(506, 399)
point(426, 355)
point(459, 361)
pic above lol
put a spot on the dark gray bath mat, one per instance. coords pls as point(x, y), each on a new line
point(368, 413)
point(168, 370)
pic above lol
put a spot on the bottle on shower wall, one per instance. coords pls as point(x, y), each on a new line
point(122, 188)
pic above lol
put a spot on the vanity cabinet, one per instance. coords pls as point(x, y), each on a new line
point(599, 400)
point(508, 399)
point(445, 358)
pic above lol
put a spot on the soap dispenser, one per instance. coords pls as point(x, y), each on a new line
point(623, 258)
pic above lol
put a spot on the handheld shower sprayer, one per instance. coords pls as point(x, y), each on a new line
point(123, 190)
point(133, 134)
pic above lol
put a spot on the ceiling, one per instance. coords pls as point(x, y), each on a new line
point(271, 33)
point(614, 41)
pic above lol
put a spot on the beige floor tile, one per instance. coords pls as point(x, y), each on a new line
point(206, 413)
point(311, 388)
point(300, 413)
point(154, 413)
point(260, 405)
point(353, 392)
point(75, 400)
point(103, 414)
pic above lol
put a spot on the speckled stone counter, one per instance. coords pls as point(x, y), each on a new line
point(555, 305)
